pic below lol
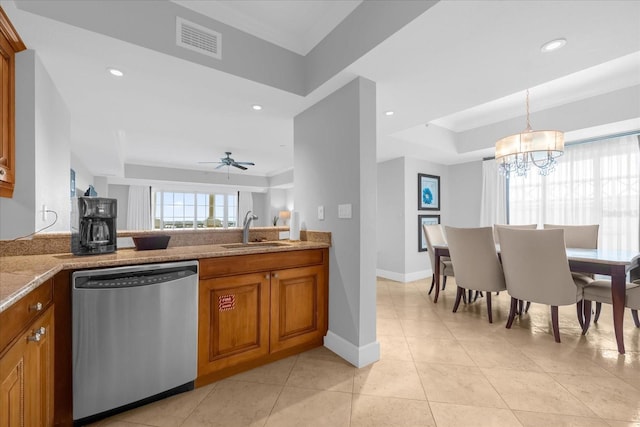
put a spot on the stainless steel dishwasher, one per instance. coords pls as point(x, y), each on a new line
point(134, 334)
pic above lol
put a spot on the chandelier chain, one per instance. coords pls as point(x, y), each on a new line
point(528, 122)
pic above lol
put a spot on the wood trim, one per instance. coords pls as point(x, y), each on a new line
point(20, 315)
point(62, 371)
point(253, 263)
point(9, 32)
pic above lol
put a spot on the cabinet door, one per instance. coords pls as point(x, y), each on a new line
point(12, 384)
point(233, 321)
point(39, 397)
point(6, 117)
point(26, 377)
point(298, 307)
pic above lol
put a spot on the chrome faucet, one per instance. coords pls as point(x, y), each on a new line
point(245, 226)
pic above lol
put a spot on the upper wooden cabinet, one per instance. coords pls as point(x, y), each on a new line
point(10, 43)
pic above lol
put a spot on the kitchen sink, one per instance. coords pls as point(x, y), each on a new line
point(255, 245)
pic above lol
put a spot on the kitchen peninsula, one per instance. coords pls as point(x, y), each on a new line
point(287, 282)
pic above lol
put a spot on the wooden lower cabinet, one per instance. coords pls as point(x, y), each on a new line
point(298, 307)
point(233, 321)
point(246, 320)
point(26, 376)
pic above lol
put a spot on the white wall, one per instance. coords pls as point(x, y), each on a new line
point(42, 153)
point(343, 122)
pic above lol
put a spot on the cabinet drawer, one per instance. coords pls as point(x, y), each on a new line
point(240, 264)
point(21, 314)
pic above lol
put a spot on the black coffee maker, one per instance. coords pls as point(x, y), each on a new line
point(93, 225)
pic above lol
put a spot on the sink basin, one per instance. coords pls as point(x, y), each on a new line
point(255, 245)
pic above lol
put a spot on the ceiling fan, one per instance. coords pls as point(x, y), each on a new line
point(228, 161)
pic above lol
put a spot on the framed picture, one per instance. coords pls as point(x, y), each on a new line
point(428, 192)
point(425, 219)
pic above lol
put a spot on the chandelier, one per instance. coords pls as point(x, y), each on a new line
point(516, 153)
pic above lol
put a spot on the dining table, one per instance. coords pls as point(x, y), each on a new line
point(614, 264)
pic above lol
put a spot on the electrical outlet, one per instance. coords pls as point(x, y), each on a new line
point(321, 213)
point(44, 212)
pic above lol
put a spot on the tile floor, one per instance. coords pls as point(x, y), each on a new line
point(437, 368)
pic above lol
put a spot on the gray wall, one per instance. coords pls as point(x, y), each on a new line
point(460, 198)
point(466, 194)
point(121, 193)
point(391, 211)
point(42, 154)
point(344, 123)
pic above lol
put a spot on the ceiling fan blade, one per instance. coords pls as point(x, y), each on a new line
point(245, 163)
point(209, 162)
point(220, 165)
point(238, 166)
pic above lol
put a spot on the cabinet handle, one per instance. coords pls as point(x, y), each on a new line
point(35, 337)
point(275, 275)
point(266, 276)
point(36, 307)
point(42, 330)
point(2, 172)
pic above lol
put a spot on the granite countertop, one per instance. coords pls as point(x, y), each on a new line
point(19, 275)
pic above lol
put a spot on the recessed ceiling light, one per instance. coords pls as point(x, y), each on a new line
point(389, 113)
point(257, 107)
point(552, 45)
point(115, 72)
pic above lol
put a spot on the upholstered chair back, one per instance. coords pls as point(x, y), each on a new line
point(496, 237)
point(578, 236)
point(536, 268)
point(433, 235)
point(474, 258)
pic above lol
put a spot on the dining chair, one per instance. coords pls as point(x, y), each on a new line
point(496, 236)
point(578, 236)
point(581, 237)
point(433, 235)
point(600, 291)
point(536, 269)
point(478, 268)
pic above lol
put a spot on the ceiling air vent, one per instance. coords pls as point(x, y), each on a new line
point(198, 38)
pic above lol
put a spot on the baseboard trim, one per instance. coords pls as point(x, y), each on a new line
point(404, 278)
point(357, 356)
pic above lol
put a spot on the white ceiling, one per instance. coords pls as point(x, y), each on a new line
point(459, 66)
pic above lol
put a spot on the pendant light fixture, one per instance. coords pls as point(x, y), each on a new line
point(516, 153)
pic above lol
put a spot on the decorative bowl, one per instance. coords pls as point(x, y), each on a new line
point(145, 243)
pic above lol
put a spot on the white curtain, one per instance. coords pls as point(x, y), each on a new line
point(593, 183)
point(494, 195)
point(245, 204)
point(139, 208)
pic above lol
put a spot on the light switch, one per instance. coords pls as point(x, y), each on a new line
point(321, 213)
point(344, 211)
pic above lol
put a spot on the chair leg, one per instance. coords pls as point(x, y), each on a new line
point(587, 316)
point(489, 307)
point(526, 307)
point(464, 297)
point(469, 298)
point(459, 294)
point(554, 322)
point(598, 308)
point(520, 307)
point(477, 295)
point(433, 282)
point(580, 312)
point(636, 320)
point(512, 312)
point(444, 282)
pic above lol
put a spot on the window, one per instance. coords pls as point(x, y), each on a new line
point(194, 210)
point(594, 183)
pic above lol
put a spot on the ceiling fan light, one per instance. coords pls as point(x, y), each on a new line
point(256, 107)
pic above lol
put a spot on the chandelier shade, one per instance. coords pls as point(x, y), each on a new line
point(516, 153)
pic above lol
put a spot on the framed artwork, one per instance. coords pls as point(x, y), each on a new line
point(425, 219)
point(428, 192)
